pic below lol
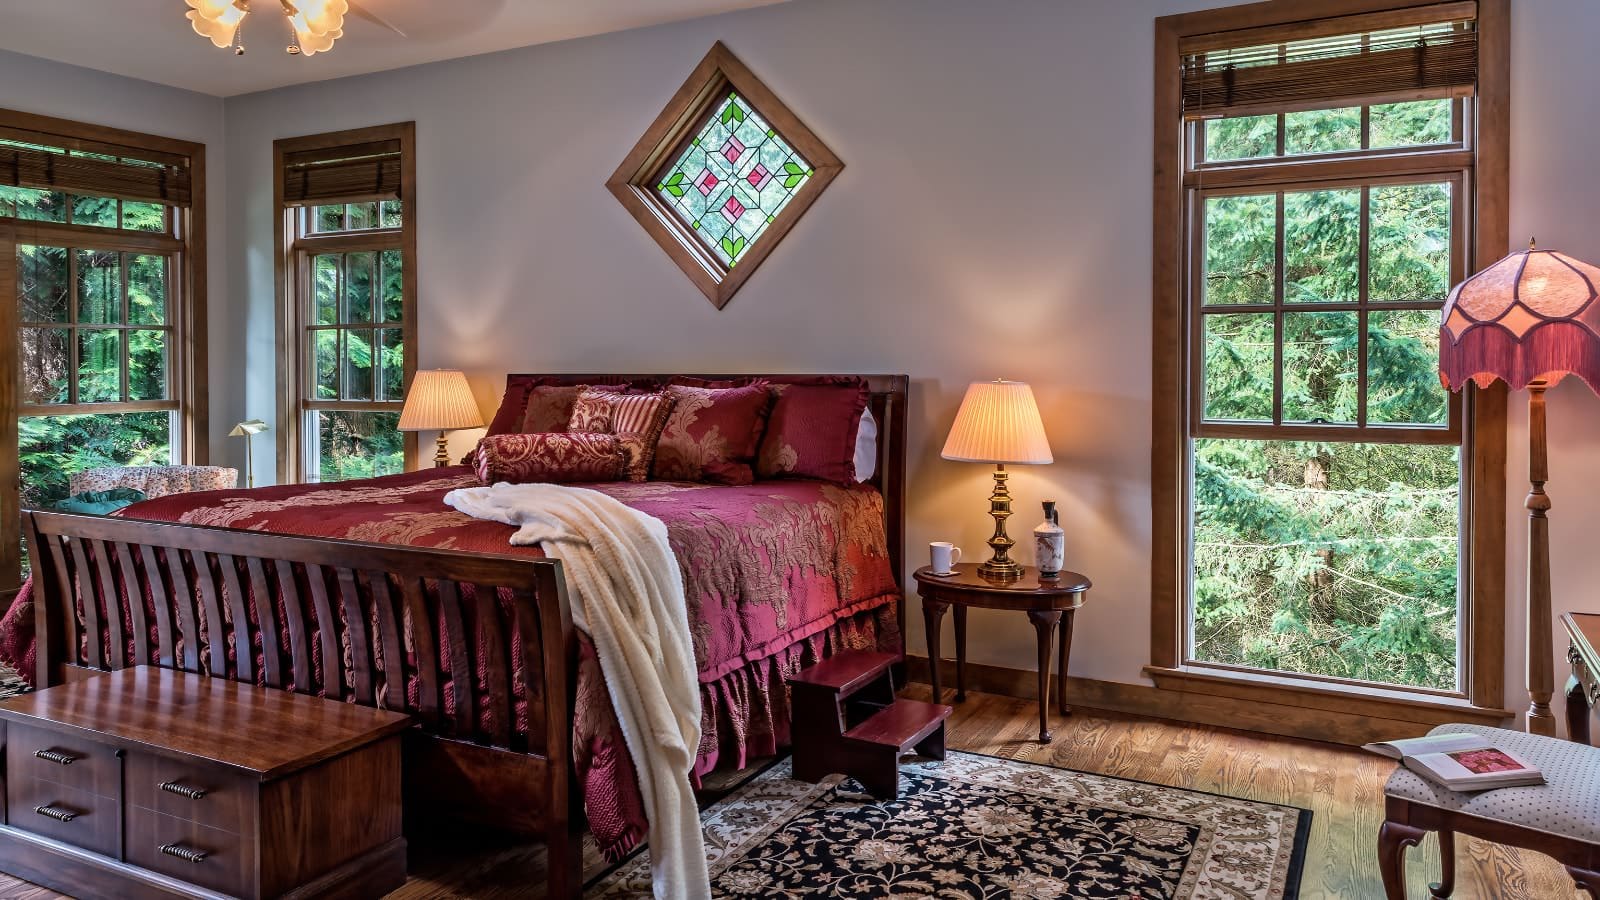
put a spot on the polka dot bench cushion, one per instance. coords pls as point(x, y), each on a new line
point(1568, 805)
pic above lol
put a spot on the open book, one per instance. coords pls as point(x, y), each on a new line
point(1461, 762)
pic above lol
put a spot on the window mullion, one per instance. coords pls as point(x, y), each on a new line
point(1278, 255)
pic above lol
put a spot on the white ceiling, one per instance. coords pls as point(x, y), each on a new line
point(151, 39)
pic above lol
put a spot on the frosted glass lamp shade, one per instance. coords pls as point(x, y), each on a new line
point(998, 423)
point(440, 400)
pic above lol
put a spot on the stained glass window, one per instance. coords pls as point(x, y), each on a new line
point(733, 179)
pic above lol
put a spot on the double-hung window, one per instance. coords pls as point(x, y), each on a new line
point(1325, 201)
point(101, 236)
point(348, 280)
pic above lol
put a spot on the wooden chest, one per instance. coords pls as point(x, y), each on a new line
point(150, 782)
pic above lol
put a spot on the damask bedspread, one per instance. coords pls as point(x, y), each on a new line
point(776, 574)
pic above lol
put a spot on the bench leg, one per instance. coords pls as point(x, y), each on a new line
point(1447, 867)
point(1586, 881)
point(1393, 841)
point(880, 775)
point(932, 746)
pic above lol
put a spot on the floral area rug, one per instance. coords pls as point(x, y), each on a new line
point(983, 827)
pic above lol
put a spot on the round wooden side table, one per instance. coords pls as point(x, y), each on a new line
point(1049, 603)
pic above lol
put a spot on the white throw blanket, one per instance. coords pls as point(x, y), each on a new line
point(627, 594)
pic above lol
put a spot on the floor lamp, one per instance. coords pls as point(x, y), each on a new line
point(1529, 320)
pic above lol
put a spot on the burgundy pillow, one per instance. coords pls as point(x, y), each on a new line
point(712, 434)
point(637, 418)
point(508, 419)
point(812, 432)
point(551, 457)
point(548, 408)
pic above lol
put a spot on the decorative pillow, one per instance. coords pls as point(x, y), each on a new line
point(549, 407)
point(551, 456)
point(638, 418)
point(513, 409)
point(712, 434)
point(813, 432)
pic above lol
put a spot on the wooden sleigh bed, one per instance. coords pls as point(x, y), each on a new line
point(478, 754)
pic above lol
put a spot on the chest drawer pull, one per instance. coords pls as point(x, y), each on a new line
point(53, 812)
point(172, 787)
point(184, 853)
point(56, 756)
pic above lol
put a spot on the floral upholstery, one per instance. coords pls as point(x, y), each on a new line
point(552, 457)
point(1568, 804)
point(712, 434)
point(155, 481)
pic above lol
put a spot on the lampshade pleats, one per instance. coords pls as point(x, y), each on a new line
point(998, 423)
point(1530, 317)
point(440, 400)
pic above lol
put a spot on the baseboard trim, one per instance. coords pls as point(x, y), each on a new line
point(1206, 708)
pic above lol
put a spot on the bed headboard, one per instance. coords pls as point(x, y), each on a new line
point(887, 401)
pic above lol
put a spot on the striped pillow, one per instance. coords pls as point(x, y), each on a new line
point(637, 416)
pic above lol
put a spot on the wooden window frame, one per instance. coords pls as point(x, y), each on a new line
point(634, 182)
point(185, 242)
point(294, 246)
point(1485, 154)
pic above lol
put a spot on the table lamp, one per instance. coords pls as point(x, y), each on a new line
point(441, 401)
point(999, 423)
point(1528, 320)
point(247, 430)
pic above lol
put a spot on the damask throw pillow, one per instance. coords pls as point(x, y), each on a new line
point(558, 457)
point(712, 434)
point(812, 432)
point(636, 418)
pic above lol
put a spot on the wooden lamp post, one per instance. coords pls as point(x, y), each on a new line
point(1529, 320)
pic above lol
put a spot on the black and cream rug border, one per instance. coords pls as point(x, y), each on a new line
point(981, 826)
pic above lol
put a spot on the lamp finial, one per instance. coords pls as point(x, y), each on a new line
point(1532, 245)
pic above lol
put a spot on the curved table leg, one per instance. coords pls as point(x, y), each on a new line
point(1044, 625)
point(1446, 884)
point(960, 614)
point(1065, 652)
point(932, 620)
point(1393, 841)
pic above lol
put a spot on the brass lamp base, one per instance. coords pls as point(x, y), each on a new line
point(441, 457)
point(1000, 565)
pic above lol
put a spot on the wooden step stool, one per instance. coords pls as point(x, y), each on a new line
point(845, 718)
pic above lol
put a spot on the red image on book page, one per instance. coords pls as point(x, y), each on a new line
point(1482, 762)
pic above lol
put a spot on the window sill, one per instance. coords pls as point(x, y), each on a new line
point(1382, 703)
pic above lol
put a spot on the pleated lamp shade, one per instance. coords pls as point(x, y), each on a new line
point(998, 423)
point(1532, 316)
point(440, 400)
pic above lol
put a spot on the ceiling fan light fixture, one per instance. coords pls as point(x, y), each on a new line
point(217, 20)
point(314, 25)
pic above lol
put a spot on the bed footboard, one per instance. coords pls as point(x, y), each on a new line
point(479, 648)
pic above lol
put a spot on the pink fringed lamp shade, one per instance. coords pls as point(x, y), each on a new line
point(1532, 316)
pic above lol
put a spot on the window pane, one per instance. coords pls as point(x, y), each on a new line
point(1411, 124)
point(100, 212)
point(99, 365)
point(1322, 130)
point(393, 286)
point(394, 363)
point(144, 216)
point(99, 287)
point(1322, 246)
point(357, 374)
point(42, 283)
point(56, 447)
point(1320, 362)
point(391, 214)
point(1403, 368)
point(1410, 257)
point(326, 355)
point(45, 364)
point(1238, 366)
point(34, 205)
point(328, 218)
point(1292, 574)
point(147, 290)
point(360, 216)
point(147, 365)
point(1241, 137)
point(325, 280)
point(1240, 238)
point(357, 287)
point(357, 444)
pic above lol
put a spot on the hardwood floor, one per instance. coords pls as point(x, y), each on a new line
point(1342, 787)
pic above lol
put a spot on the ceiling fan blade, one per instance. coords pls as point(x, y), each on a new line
point(361, 12)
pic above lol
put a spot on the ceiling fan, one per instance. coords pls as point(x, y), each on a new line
point(313, 24)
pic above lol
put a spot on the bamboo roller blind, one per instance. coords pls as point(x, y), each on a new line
point(353, 173)
point(104, 174)
point(1436, 59)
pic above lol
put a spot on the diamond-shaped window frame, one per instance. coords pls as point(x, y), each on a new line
point(635, 183)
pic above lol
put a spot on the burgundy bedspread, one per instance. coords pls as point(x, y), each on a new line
point(776, 574)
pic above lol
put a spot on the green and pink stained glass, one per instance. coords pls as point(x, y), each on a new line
point(733, 179)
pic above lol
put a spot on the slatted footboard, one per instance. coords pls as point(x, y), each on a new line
point(462, 641)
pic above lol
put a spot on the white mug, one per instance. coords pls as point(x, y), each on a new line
point(945, 556)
